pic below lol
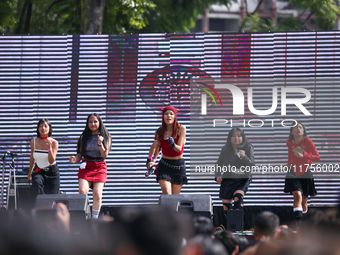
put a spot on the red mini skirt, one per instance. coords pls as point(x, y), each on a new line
point(93, 172)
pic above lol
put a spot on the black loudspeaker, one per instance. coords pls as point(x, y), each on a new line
point(23, 193)
point(77, 204)
point(24, 199)
point(235, 220)
point(198, 205)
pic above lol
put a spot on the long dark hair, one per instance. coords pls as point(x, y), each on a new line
point(160, 131)
point(48, 123)
point(230, 135)
point(82, 141)
point(291, 137)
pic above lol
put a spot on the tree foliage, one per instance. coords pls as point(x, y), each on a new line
point(323, 12)
point(71, 16)
point(126, 16)
point(7, 8)
point(138, 16)
point(118, 16)
point(177, 15)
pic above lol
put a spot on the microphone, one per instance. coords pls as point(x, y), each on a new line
point(150, 171)
point(237, 153)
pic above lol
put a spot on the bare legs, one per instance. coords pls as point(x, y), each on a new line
point(299, 201)
point(300, 206)
point(84, 187)
point(168, 188)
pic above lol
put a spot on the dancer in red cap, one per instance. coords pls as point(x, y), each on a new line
point(170, 139)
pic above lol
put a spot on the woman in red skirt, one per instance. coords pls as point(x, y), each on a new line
point(93, 147)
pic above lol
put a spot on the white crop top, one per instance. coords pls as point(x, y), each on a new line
point(41, 157)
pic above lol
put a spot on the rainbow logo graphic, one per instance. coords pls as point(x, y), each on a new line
point(204, 97)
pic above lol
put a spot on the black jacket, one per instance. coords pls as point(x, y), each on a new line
point(229, 158)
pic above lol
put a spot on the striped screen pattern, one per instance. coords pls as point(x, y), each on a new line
point(127, 79)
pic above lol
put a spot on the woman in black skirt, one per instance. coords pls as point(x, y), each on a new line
point(233, 169)
point(299, 179)
point(170, 139)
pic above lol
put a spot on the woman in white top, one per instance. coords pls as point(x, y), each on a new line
point(43, 170)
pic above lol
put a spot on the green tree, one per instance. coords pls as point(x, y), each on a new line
point(126, 16)
point(73, 16)
point(7, 8)
point(178, 15)
point(137, 16)
point(101, 16)
point(323, 12)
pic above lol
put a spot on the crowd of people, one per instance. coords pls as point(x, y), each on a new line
point(153, 231)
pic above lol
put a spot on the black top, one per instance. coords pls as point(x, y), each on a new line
point(228, 161)
point(92, 149)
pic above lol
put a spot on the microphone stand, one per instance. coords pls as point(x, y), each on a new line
point(12, 166)
point(2, 182)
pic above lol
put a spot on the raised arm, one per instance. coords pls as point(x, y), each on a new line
point(153, 154)
point(314, 154)
point(52, 151)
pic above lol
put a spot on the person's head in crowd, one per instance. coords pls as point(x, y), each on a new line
point(329, 221)
point(55, 219)
point(21, 234)
point(203, 225)
point(286, 233)
point(266, 226)
point(319, 234)
point(242, 242)
point(204, 245)
point(310, 221)
point(317, 221)
point(229, 241)
point(146, 232)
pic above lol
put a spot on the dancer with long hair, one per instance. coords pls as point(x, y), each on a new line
point(236, 154)
point(170, 139)
point(93, 147)
point(299, 180)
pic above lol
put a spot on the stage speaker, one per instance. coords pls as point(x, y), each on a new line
point(23, 193)
point(77, 204)
point(198, 205)
point(235, 220)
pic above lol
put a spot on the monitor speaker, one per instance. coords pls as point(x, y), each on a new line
point(198, 205)
point(235, 220)
point(77, 204)
point(23, 193)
